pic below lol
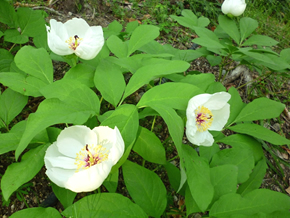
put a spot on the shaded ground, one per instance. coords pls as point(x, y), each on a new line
point(38, 190)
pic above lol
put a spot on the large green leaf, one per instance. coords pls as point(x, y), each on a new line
point(260, 40)
point(76, 108)
point(141, 36)
point(12, 104)
point(5, 61)
point(260, 108)
point(7, 13)
point(35, 62)
point(173, 174)
point(149, 72)
point(145, 188)
point(259, 200)
point(207, 38)
point(109, 80)
point(201, 81)
point(236, 104)
point(174, 95)
point(149, 146)
point(260, 132)
point(198, 177)
point(104, 205)
point(224, 180)
point(230, 27)
point(31, 22)
point(37, 212)
point(19, 173)
point(25, 85)
point(247, 26)
point(245, 141)
point(256, 178)
point(207, 152)
point(13, 35)
point(241, 157)
point(65, 196)
point(117, 46)
point(82, 73)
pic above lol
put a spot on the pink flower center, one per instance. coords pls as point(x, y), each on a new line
point(74, 42)
point(91, 155)
point(204, 118)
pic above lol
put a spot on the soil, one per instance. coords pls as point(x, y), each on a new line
point(38, 192)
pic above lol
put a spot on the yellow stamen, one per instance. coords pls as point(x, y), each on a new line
point(204, 118)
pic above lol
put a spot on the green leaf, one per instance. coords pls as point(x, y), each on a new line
point(224, 180)
point(40, 41)
point(126, 119)
point(214, 60)
point(256, 178)
point(111, 182)
point(114, 28)
point(65, 196)
point(230, 27)
point(79, 105)
point(260, 108)
point(25, 85)
point(175, 95)
point(236, 105)
point(31, 22)
point(83, 73)
point(285, 54)
point(149, 146)
point(173, 174)
point(104, 205)
point(198, 177)
point(247, 26)
point(191, 206)
point(35, 62)
point(117, 46)
point(259, 200)
point(19, 173)
point(207, 38)
point(141, 36)
point(149, 72)
point(260, 40)
point(12, 104)
point(12, 35)
point(7, 13)
point(241, 157)
point(37, 212)
point(189, 20)
point(215, 87)
point(207, 152)
point(245, 141)
point(109, 80)
point(260, 132)
point(145, 188)
point(201, 81)
point(6, 60)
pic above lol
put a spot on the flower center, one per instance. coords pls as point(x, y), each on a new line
point(91, 155)
point(74, 42)
point(204, 118)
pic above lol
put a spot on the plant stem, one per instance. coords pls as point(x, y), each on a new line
point(152, 127)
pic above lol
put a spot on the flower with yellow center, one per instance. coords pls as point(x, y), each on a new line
point(75, 36)
point(81, 158)
point(206, 112)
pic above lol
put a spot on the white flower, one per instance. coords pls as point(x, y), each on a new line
point(234, 7)
point(81, 158)
point(206, 112)
point(75, 36)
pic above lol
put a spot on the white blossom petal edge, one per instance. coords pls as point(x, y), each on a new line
point(206, 112)
point(234, 7)
point(75, 36)
point(81, 158)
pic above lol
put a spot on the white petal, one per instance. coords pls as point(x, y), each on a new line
point(89, 179)
point(113, 136)
point(72, 139)
point(202, 139)
point(76, 26)
point(59, 176)
point(198, 100)
point(234, 7)
point(56, 36)
point(217, 100)
point(53, 158)
point(91, 44)
point(220, 118)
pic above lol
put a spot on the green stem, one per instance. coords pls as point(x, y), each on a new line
point(173, 158)
point(12, 47)
point(152, 127)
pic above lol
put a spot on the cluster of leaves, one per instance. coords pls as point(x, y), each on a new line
point(208, 179)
